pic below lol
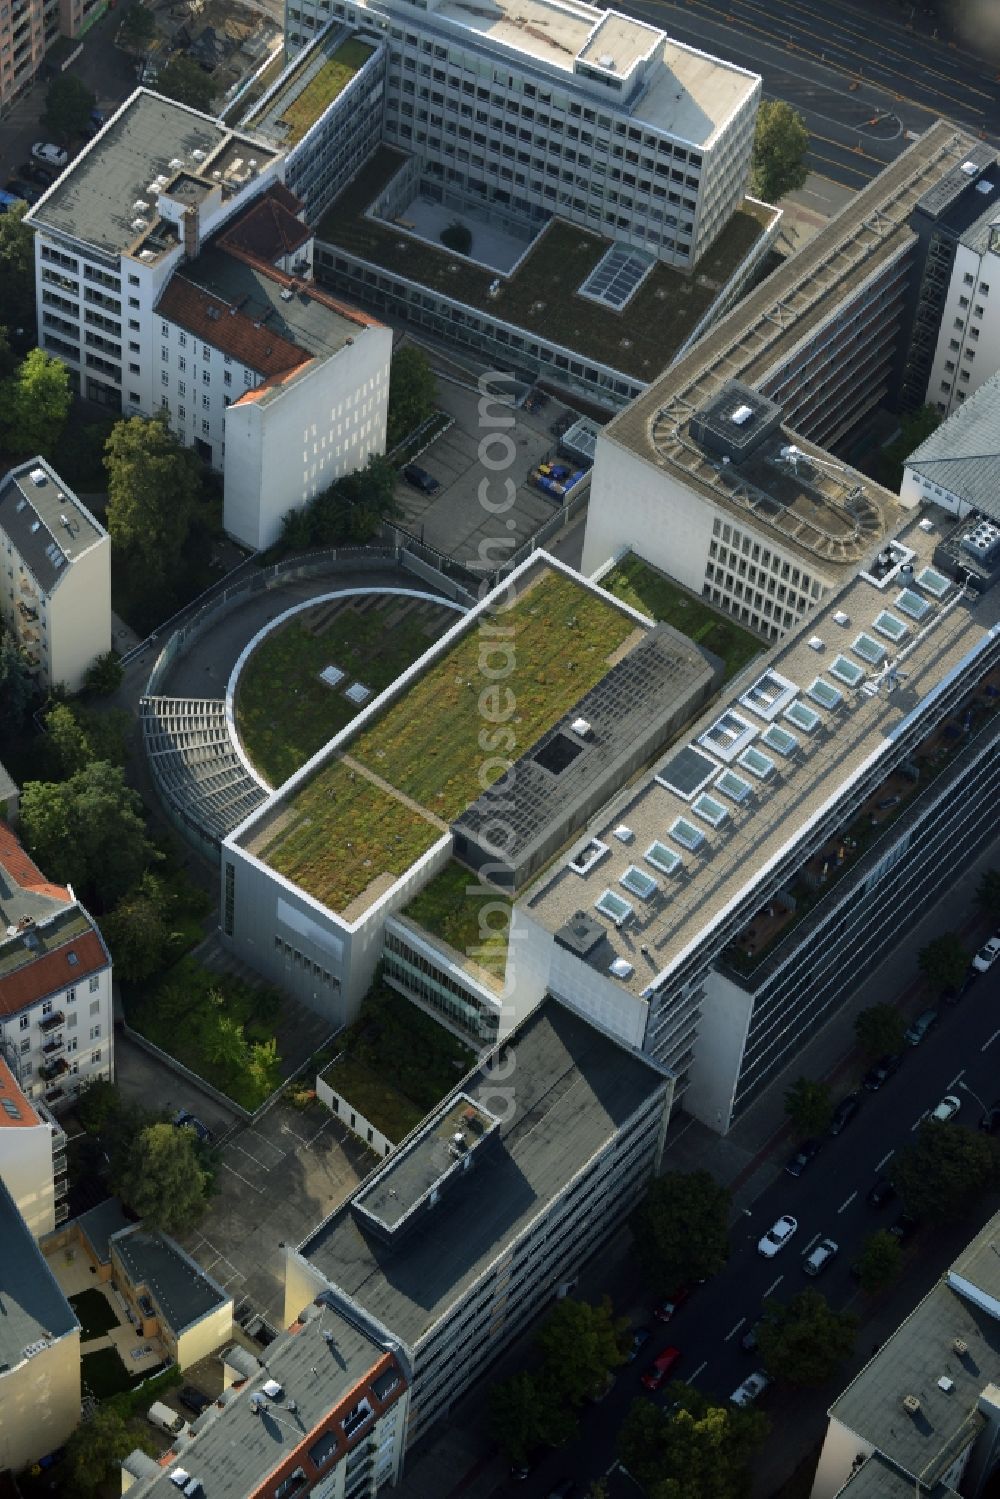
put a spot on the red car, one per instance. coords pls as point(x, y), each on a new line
point(659, 1370)
point(666, 1309)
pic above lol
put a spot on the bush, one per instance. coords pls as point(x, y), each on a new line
point(457, 236)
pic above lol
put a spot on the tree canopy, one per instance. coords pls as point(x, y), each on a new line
point(879, 1262)
point(138, 27)
point(944, 962)
point(68, 102)
point(412, 392)
point(137, 932)
point(17, 273)
point(18, 689)
point(781, 141)
point(802, 1341)
point(154, 484)
point(524, 1415)
point(879, 1029)
point(34, 403)
point(162, 1180)
point(99, 1444)
point(682, 1229)
point(104, 674)
point(77, 736)
point(809, 1106)
point(580, 1345)
point(946, 1171)
point(697, 1449)
point(350, 510)
point(188, 83)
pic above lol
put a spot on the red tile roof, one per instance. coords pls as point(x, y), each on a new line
point(45, 974)
point(268, 229)
point(228, 329)
point(23, 871)
point(9, 1089)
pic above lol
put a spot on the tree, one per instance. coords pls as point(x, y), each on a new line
point(945, 1172)
point(682, 1229)
point(913, 430)
point(68, 103)
point(17, 274)
point(349, 510)
point(879, 1029)
point(78, 736)
point(809, 1106)
point(880, 1261)
point(17, 684)
point(88, 832)
point(35, 403)
point(778, 164)
point(697, 1449)
point(99, 1105)
point(412, 393)
point(104, 674)
point(580, 1344)
point(944, 962)
point(99, 1443)
point(988, 892)
point(803, 1341)
point(162, 1180)
point(136, 931)
point(524, 1416)
point(138, 27)
point(154, 484)
point(188, 83)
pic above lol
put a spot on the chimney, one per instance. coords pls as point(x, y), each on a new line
point(961, 1347)
point(192, 236)
point(911, 1404)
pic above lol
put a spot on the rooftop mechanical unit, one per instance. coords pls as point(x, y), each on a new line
point(982, 542)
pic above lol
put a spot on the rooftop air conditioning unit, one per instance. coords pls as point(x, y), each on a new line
point(946, 1384)
point(911, 1404)
point(198, 155)
point(582, 727)
point(741, 415)
point(969, 168)
point(287, 293)
point(138, 224)
point(815, 644)
point(841, 618)
point(140, 206)
point(960, 1346)
point(271, 1388)
point(38, 476)
point(176, 164)
point(624, 833)
point(621, 969)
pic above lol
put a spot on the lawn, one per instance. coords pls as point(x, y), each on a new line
point(103, 1374)
point(304, 108)
point(342, 832)
point(541, 295)
point(445, 908)
point(396, 1063)
point(94, 1313)
point(644, 587)
point(284, 713)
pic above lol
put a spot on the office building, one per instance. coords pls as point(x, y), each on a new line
point(56, 1028)
point(55, 583)
point(923, 1416)
point(956, 467)
point(488, 1210)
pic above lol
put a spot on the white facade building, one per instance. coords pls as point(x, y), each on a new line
point(55, 575)
point(968, 344)
point(32, 1157)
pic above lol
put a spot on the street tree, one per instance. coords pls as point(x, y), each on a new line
point(78, 736)
point(412, 393)
point(580, 1345)
point(188, 83)
point(137, 932)
point(809, 1106)
point(944, 962)
point(17, 276)
point(104, 674)
point(99, 1443)
point(879, 1262)
point(879, 1029)
point(946, 1171)
point(68, 102)
point(162, 1179)
point(988, 892)
point(524, 1415)
point(695, 1449)
point(802, 1341)
point(138, 27)
point(154, 485)
point(88, 832)
point(681, 1229)
point(781, 141)
point(34, 404)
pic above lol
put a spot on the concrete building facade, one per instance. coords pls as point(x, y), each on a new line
point(32, 1157)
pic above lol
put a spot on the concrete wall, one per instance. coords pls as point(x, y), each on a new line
point(715, 1067)
point(40, 1403)
point(356, 1122)
point(205, 1336)
point(836, 1460)
point(537, 964)
point(79, 616)
point(634, 504)
point(26, 1172)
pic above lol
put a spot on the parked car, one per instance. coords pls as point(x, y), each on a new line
point(161, 1416)
point(95, 123)
point(748, 1342)
point(845, 1112)
point(922, 1026)
point(751, 1389)
point(53, 156)
point(184, 1120)
point(33, 171)
point(420, 479)
point(668, 1308)
point(945, 1110)
point(659, 1370)
point(987, 955)
point(193, 1400)
point(881, 1192)
point(19, 192)
point(904, 1228)
point(817, 1260)
point(882, 1071)
point(777, 1236)
point(806, 1153)
point(990, 1121)
point(640, 1338)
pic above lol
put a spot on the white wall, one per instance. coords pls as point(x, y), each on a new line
point(963, 333)
point(26, 1172)
point(634, 504)
point(722, 1033)
point(287, 444)
point(837, 1458)
point(79, 616)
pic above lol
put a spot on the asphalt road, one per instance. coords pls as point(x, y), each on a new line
point(828, 1200)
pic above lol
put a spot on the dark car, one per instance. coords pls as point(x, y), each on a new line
point(658, 1372)
point(33, 171)
point(904, 1228)
point(420, 479)
point(185, 1120)
point(990, 1121)
point(640, 1338)
point(668, 1308)
point(844, 1113)
point(193, 1400)
point(22, 190)
point(882, 1071)
point(95, 123)
point(881, 1192)
point(748, 1342)
point(806, 1153)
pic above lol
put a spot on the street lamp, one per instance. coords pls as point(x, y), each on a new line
point(966, 1089)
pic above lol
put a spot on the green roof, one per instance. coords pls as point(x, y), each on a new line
point(311, 88)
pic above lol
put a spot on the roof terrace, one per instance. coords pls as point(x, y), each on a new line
point(309, 88)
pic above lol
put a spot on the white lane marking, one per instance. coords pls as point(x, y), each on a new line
point(990, 1041)
point(956, 1078)
point(918, 1122)
point(692, 1377)
point(735, 1330)
point(226, 1167)
point(812, 1241)
point(892, 1152)
point(848, 1202)
point(771, 1289)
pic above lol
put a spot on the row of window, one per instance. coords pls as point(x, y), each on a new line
point(299, 960)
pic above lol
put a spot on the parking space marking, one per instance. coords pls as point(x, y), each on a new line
point(691, 1378)
point(812, 1241)
point(889, 1154)
point(226, 1167)
point(264, 1166)
point(956, 1078)
point(990, 1041)
point(771, 1289)
point(847, 1203)
point(732, 1333)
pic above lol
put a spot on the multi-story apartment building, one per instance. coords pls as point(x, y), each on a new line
point(968, 341)
point(39, 1350)
point(172, 273)
point(56, 1028)
point(55, 575)
point(326, 1415)
point(488, 1210)
point(32, 1157)
point(27, 28)
point(555, 106)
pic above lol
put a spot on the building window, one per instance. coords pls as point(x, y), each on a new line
point(25, 1045)
point(164, 377)
point(95, 984)
point(181, 413)
point(95, 1007)
point(164, 329)
point(978, 310)
point(72, 1044)
point(71, 996)
point(95, 1033)
point(23, 1023)
point(984, 288)
point(206, 401)
point(968, 278)
point(228, 378)
point(133, 281)
point(97, 1056)
point(206, 425)
point(164, 354)
point(182, 364)
point(206, 377)
point(47, 1007)
point(133, 301)
point(183, 340)
point(206, 352)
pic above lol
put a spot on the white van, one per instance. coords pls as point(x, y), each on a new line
point(162, 1417)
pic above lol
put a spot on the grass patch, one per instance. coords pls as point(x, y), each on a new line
point(219, 1026)
point(103, 1374)
point(541, 296)
point(94, 1314)
point(343, 832)
point(635, 582)
point(303, 108)
point(396, 1063)
point(284, 712)
point(445, 908)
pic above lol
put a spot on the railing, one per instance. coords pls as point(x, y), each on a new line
point(49, 1022)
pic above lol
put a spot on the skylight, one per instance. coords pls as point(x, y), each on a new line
point(846, 671)
point(870, 649)
point(803, 717)
point(686, 834)
point(733, 786)
point(662, 858)
point(728, 735)
point(708, 808)
point(912, 604)
point(933, 582)
point(614, 907)
point(638, 882)
point(779, 739)
point(686, 772)
point(768, 695)
point(824, 693)
point(757, 764)
point(887, 624)
point(585, 858)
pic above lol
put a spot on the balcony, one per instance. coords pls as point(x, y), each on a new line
point(62, 1212)
point(50, 1070)
point(49, 1023)
point(54, 1047)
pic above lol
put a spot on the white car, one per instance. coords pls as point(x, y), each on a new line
point(755, 1384)
point(946, 1109)
point(987, 956)
point(53, 156)
point(777, 1237)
